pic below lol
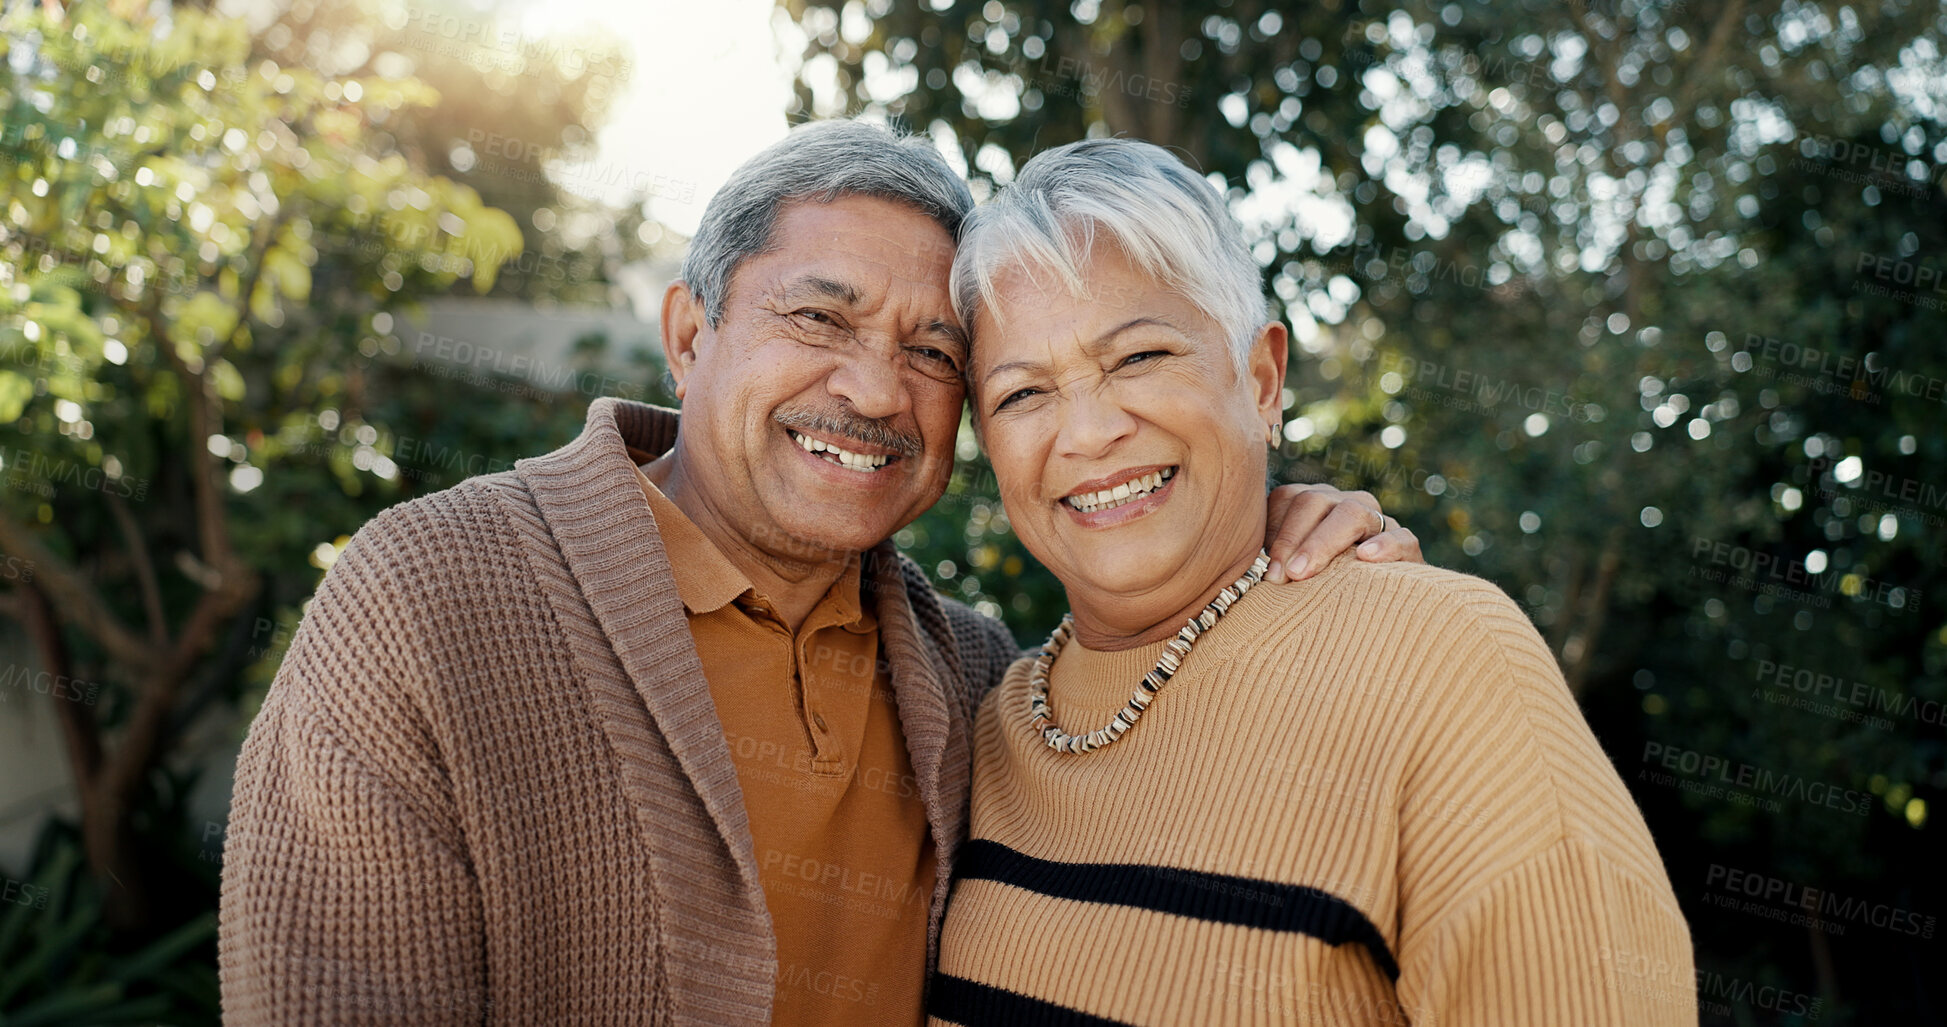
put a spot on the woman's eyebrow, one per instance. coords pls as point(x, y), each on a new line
point(1091, 347)
point(1012, 365)
point(1135, 322)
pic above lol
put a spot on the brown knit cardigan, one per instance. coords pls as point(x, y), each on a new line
point(489, 782)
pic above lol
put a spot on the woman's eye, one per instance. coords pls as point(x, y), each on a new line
point(1010, 398)
point(1137, 358)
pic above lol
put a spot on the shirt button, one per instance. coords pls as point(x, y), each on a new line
point(819, 719)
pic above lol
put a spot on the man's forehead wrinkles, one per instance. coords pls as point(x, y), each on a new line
point(911, 247)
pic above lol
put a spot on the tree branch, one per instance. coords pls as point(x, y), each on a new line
point(79, 729)
point(1713, 51)
point(74, 598)
point(145, 579)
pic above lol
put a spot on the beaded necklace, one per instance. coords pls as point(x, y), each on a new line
point(1043, 720)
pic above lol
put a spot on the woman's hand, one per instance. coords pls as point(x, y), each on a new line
point(1308, 525)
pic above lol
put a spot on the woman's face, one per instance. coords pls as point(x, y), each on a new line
point(1128, 445)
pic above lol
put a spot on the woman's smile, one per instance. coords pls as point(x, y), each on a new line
point(1121, 497)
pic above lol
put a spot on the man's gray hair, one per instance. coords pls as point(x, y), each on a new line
point(817, 162)
point(1170, 223)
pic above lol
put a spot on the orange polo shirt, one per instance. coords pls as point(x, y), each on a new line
point(843, 848)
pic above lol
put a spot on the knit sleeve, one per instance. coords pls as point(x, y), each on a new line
point(1531, 892)
point(1566, 936)
point(347, 893)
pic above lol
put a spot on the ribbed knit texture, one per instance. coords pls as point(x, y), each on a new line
point(1365, 798)
point(489, 781)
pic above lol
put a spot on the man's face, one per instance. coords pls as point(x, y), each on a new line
point(820, 415)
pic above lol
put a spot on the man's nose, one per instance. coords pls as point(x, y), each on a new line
point(871, 383)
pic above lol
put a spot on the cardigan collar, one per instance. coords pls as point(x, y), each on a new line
point(588, 494)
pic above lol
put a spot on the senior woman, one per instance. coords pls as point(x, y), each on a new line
point(1363, 798)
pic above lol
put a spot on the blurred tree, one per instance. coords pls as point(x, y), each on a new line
point(516, 121)
point(191, 243)
point(1608, 301)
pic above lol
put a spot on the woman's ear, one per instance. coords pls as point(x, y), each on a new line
point(683, 322)
point(1270, 351)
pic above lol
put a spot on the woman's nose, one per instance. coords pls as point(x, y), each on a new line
point(1092, 422)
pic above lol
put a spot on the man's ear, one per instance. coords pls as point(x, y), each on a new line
point(683, 324)
point(1270, 351)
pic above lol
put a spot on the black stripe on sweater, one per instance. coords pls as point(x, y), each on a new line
point(958, 1000)
point(1219, 898)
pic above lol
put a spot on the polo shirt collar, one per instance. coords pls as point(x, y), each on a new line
point(707, 581)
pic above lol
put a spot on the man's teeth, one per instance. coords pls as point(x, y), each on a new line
point(842, 457)
point(1109, 499)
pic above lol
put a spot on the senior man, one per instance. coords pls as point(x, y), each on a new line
point(659, 727)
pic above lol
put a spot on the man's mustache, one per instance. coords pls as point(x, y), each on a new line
point(872, 431)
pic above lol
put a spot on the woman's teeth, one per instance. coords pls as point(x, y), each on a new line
point(1109, 499)
point(842, 457)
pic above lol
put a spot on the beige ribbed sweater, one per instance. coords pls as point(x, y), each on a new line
point(1365, 798)
point(489, 782)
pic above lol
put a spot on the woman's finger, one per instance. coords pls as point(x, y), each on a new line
point(1295, 510)
point(1390, 546)
point(1348, 523)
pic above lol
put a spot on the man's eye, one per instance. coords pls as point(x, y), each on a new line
point(1137, 358)
point(818, 316)
point(933, 356)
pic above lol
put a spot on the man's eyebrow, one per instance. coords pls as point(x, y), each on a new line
point(827, 287)
point(943, 327)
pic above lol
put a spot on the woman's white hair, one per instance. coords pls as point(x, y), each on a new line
point(1171, 223)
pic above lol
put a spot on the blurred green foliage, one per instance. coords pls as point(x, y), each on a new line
point(204, 242)
point(1607, 302)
